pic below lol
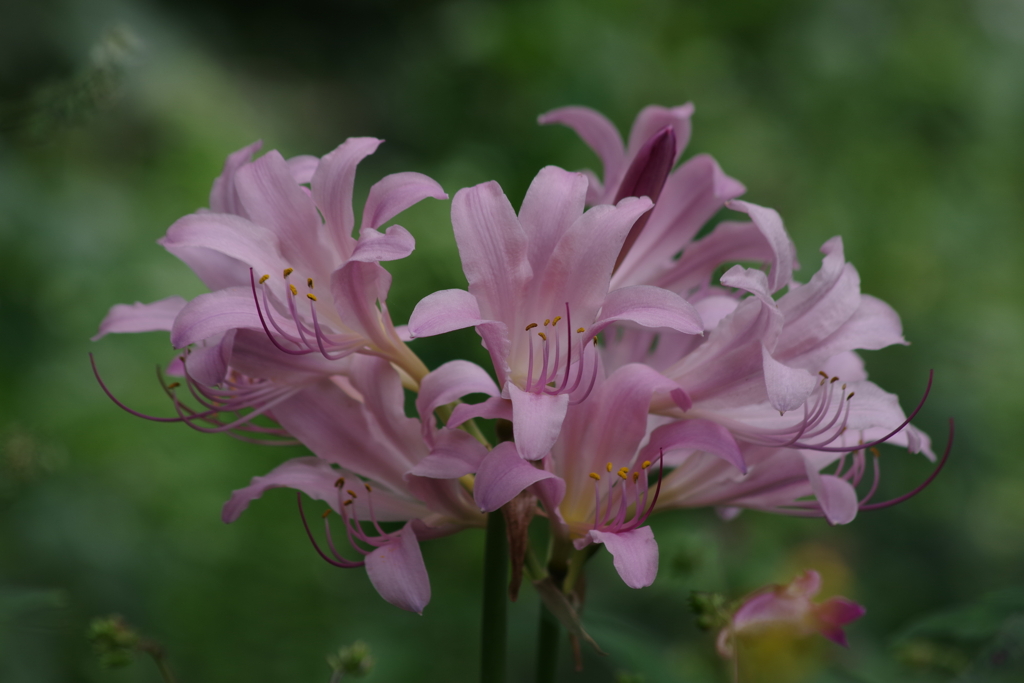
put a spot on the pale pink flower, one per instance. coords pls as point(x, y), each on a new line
point(528, 273)
point(790, 606)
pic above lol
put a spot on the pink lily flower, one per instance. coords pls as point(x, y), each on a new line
point(267, 238)
point(685, 199)
point(594, 485)
point(791, 606)
point(372, 464)
point(528, 273)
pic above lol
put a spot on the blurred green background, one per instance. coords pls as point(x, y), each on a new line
point(897, 124)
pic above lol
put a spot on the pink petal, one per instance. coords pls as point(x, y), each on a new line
point(552, 204)
point(494, 337)
point(207, 363)
point(598, 132)
point(455, 454)
point(493, 248)
point(140, 317)
point(834, 613)
point(788, 388)
point(503, 475)
point(769, 223)
point(398, 573)
point(303, 167)
point(652, 119)
point(357, 287)
point(312, 476)
point(837, 497)
point(450, 382)
point(393, 244)
point(874, 325)
point(444, 311)
point(272, 199)
point(634, 554)
point(223, 197)
point(694, 435)
point(232, 236)
point(650, 307)
point(580, 265)
point(495, 408)
point(393, 194)
point(214, 313)
point(332, 189)
point(537, 420)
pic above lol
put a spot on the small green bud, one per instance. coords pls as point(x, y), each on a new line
point(112, 640)
point(351, 660)
point(710, 610)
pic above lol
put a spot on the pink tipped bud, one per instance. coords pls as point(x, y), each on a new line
point(646, 177)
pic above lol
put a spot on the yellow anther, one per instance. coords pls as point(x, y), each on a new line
point(833, 380)
point(326, 513)
point(174, 385)
point(850, 396)
point(264, 279)
point(339, 483)
point(645, 465)
point(531, 326)
point(311, 297)
point(309, 282)
point(294, 291)
point(608, 467)
point(368, 489)
point(555, 321)
point(288, 271)
point(347, 502)
point(821, 383)
point(624, 475)
point(581, 330)
point(542, 336)
point(595, 341)
point(636, 475)
point(595, 476)
point(547, 322)
point(874, 452)
point(823, 374)
point(843, 387)
point(351, 493)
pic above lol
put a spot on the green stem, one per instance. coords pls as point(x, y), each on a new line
point(549, 635)
point(495, 626)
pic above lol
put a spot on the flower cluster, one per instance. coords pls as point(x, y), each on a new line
point(634, 380)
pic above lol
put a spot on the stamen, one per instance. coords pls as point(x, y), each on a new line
point(174, 385)
point(555, 320)
point(293, 290)
point(326, 513)
point(924, 485)
point(542, 335)
point(646, 464)
point(341, 482)
point(288, 271)
point(264, 279)
point(581, 330)
point(309, 282)
point(531, 326)
point(595, 476)
point(608, 467)
point(833, 380)
point(344, 564)
point(823, 374)
point(351, 493)
point(547, 322)
point(311, 297)
point(850, 396)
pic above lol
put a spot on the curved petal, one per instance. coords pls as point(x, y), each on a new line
point(788, 388)
point(303, 167)
point(456, 454)
point(273, 199)
point(331, 188)
point(652, 119)
point(357, 287)
point(444, 311)
point(837, 497)
point(650, 307)
point(207, 363)
point(537, 420)
point(140, 317)
point(229, 235)
point(598, 133)
point(493, 248)
point(213, 313)
point(393, 194)
point(223, 197)
point(398, 573)
point(496, 408)
point(312, 476)
point(503, 475)
point(697, 435)
point(634, 554)
point(450, 382)
point(552, 204)
point(580, 265)
point(769, 223)
point(393, 244)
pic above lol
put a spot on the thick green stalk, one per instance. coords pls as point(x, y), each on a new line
point(495, 624)
point(549, 634)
